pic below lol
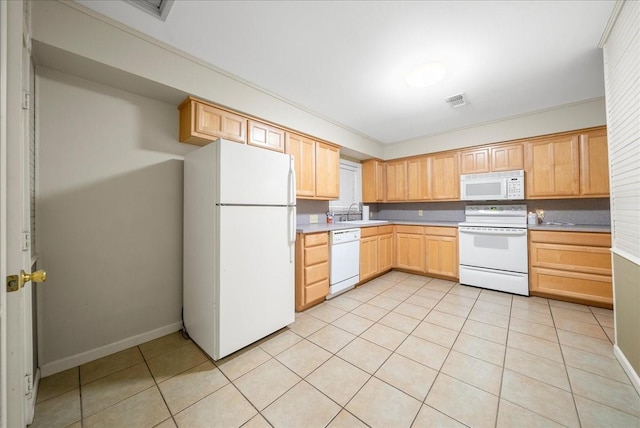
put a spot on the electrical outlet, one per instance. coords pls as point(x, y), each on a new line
point(419, 213)
point(313, 218)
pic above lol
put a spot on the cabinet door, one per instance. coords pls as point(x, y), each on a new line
point(507, 157)
point(304, 153)
point(265, 136)
point(327, 171)
point(373, 181)
point(445, 176)
point(441, 255)
point(474, 161)
point(594, 163)
point(419, 179)
point(220, 123)
point(368, 257)
point(410, 251)
point(396, 180)
point(385, 252)
point(552, 167)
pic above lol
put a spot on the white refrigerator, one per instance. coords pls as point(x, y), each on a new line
point(239, 245)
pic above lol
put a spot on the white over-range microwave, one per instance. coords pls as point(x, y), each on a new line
point(492, 186)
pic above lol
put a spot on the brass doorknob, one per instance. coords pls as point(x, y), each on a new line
point(37, 276)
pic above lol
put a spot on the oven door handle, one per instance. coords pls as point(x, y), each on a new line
point(494, 232)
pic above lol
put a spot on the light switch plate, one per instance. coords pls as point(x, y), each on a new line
point(419, 213)
point(313, 218)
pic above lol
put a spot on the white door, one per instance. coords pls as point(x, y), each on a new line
point(17, 74)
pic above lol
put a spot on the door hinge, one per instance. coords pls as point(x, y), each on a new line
point(26, 100)
point(26, 240)
point(29, 384)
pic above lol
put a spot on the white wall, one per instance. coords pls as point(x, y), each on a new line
point(109, 219)
point(560, 119)
point(77, 30)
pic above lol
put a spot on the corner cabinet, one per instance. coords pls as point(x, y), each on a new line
point(376, 251)
point(410, 248)
point(317, 167)
point(202, 123)
point(373, 180)
point(312, 269)
point(571, 266)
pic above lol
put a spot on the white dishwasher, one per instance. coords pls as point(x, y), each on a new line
point(344, 260)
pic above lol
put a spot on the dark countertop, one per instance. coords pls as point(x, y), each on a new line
point(566, 227)
point(560, 227)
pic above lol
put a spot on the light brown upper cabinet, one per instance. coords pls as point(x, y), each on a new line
point(317, 167)
point(445, 176)
point(594, 164)
point(397, 180)
point(553, 167)
point(574, 165)
point(327, 171)
point(201, 123)
point(419, 179)
point(303, 150)
point(474, 161)
point(502, 157)
point(506, 157)
point(265, 136)
point(373, 180)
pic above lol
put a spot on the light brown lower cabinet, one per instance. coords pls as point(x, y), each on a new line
point(441, 248)
point(368, 253)
point(376, 251)
point(410, 248)
point(385, 248)
point(571, 266)
point(312, 269)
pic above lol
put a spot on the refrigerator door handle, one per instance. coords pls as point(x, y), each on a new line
point(292, 233)
point(292, 181)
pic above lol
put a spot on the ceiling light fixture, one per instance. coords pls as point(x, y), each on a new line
point(426, 75)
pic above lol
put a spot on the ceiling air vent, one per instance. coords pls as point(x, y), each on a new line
point(456, 101)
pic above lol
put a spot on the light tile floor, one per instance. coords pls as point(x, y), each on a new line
point(400, 351)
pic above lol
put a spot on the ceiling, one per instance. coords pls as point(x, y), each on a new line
point(346, 60)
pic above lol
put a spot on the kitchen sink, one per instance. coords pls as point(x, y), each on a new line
point(363, 222)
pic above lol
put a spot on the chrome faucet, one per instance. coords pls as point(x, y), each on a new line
point(349, 211)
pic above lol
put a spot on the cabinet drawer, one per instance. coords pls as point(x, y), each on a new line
point(316, 291)
point(573, 238)
point(367, 232)
point(441, 231)
point(385, 230)
point(416, 230)
point(575, 258)
point(316, 239)
point(580, 287)
point(315, 255)
point(316, 273)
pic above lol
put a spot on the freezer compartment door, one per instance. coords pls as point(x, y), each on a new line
point(256, 275)
point(254, 176)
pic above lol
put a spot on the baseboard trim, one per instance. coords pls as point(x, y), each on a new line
point(627, 367)
point(93, 354)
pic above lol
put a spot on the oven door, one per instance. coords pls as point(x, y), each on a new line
point(503, 248)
